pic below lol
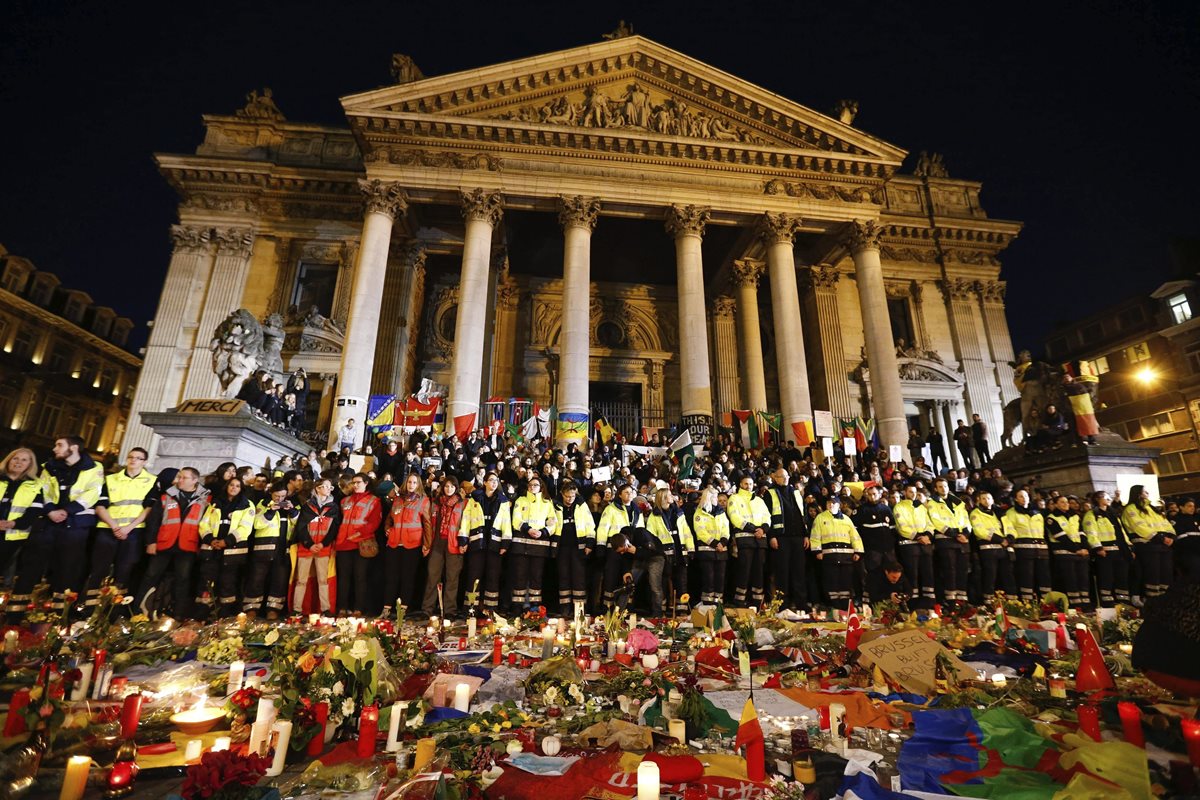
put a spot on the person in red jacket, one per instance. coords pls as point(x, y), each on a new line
point(180, 508)
point(410, 527)
point(444, 549)
point(314, 541)
point(361, 514)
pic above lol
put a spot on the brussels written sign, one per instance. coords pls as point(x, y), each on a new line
point(908, 657)
point(220, 405)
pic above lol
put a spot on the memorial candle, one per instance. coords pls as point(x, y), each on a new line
point(439, 694)
point(648, 781)
point(236, 670)
point(221, 743)
point(399, 712)
point(81, 688)
point(1131, 723)
point(1191, 735)
point(547, 642)
point(472, 627)
point(424, 754)
point(281, 738)
point(368, 729)
point(15, 722)
point(131, 710)
point(317, 743)
point(193, 751)
point(75, 780)
point(462, 697)
point(497, 651)
point(678, 729)
point(1089, 721)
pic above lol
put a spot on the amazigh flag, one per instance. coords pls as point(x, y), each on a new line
point(802, 431)
point(1085, 414)
point(463, 425)
point(572, 426)
point(747, 428)
point(864, 433)
point(853, 627)
point(750, 736)
point(772, 423)
point(605, 431)
point(683, 450)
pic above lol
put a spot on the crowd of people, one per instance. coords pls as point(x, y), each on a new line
point(442, 526)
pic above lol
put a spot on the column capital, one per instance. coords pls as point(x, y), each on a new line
point(777, 228)
point(822, 277)
point(189, 238)
point(413, 257)
point(993, 291)
point(747, 271)
point(724, 307)
point(383, 197)
point(578, 212)
point(862, 234)
point(959, 288)
point(234, 241)
point(687, 220)
point(482, 206)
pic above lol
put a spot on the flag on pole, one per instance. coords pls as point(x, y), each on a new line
point(802, 432)
point(853, 627)
point(847, 427)
point(684, 451)
point(772, 424)
point(1085, 413)
point(605, 431)
point(381, 410)
point(750, 736)
point(463, 425)
point(864, 432)
point(515, 431)
point(747, 429)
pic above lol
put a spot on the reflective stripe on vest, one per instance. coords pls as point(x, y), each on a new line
point(126, 496)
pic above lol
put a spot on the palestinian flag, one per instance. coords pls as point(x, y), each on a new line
point(604, 431)
point(853, 627)
point(745, 428)
point(750, 736)
point(683, 450)
point(771, 425)
point(802, 432)
point(864, 433)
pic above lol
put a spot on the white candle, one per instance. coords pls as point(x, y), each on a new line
point(431, 631)
point(10, 641)
point(632, 621)
point(647, 781)
point(472, 627)
point(999, 680)
point(254, 681)
point(621, 646)
point(314, 619)
point(266, 710)
point(837, 713)
point(433, 623)
point(260, 733)
point(193, 750)
point(612, 648)
point(547, 642)
point(236, 670)
point(393, 740)
point(678, 729)
point(222, 743)
point(650, 661)
point(281, 737)
point(81, 689)
point(462, 697)
point(75, 781)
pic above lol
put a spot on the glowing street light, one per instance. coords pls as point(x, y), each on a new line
point(1146, 375)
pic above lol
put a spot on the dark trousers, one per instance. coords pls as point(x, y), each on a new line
point(837, 577)
point(940, 462)
point(113, 556)
point(748, 578)
point(353, 576)
point(1033, 573)
point(867, 566)
point(917, 560)
point(527, 579)
point(445, 568)
point(968, 456)
point(1112, 578)
point(400, 566)
point(267, 581)
point(486, 567)
point(984, 450)
point(996, 571)
point(712, 578)
point(180, 565)
point(952, 563)
point(572, 582)
point(68, 560)
point(615, 567)
point(1155, 560)
point(676, 571)
point(229, 582)
point(32, 563)
point(787, 571)
point(1071, 578)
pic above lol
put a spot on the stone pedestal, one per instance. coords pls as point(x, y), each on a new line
point(1076, 469)
point(204, 440)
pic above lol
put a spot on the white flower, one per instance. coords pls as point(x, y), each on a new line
point(360, 649)
point(551, 694)
point(347, 707)
point(338, 689)
point(575, 692)
point(272, 636)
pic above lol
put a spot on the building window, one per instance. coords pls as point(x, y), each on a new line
point(1100, 365)
point(1153, 425)
point(1181, 309)
point(56, 360)
point(24, 342)
point(1171, 464)
point(48, 415)
point(1091, 333)
point(1131, 317)
point(901, 317)
point(12, 281)
point(1138, 353)
point(315, 286)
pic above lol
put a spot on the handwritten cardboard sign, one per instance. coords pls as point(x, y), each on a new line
point(908, 658)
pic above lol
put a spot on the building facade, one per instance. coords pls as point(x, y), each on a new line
point(614, 227)
point(64, 369)
point(1146, 351)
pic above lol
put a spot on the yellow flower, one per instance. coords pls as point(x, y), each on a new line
point(506, 724)
point(496, 728)
point(474, 728)
point(502, 714)
point(35, 693)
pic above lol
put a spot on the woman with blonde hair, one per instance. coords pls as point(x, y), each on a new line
point(410, 525)
point(20, 508)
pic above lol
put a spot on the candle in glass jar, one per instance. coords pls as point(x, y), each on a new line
point(462, 697)
point(648, 781)
point(1191, 736)
point(368, 729)
point(81, 688)
point(75, 780)
point(1057, 685)
point(193, 751)
point(281, 738)
point(317, 743)
point(497, 651)
point(678, 729)
point(547, 642)
point(1131, 723)
point(236, 670)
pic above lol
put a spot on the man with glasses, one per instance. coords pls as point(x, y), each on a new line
point(121, 510)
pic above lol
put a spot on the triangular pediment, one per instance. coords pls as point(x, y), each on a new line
point(630, 85)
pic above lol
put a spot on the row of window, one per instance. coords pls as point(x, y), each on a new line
point(1146, 427)
point(52, 415)
point(58, 358)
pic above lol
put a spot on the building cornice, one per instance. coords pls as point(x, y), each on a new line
point(21, 304)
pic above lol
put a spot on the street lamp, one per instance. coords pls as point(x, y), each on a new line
point(1145, 376)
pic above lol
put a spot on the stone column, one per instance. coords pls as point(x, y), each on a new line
point(939, 422)
point(400, 315)
point(825, 326)
point(161, 378)
point(725, 354)
point(888, 401)
point(384, 202)
point(999, 340)
point(778, 233)
point(224, 296)
point(577, 215)
point(967, 329)
point(746, 274)
point(686, 224)
point(482, 212)
point(949, 409)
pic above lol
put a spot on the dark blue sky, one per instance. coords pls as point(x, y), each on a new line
point(1080, 118)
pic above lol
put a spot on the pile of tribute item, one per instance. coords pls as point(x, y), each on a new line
point(1010, 700)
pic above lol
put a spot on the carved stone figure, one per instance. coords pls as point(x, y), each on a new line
point(1040, 384)
point(237, 345)
point(404, 69)
point(260, 106)
point(271, 359)
point(930, 165)
point(623, 29)
point(846, 111)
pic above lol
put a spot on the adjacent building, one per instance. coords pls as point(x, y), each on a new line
point(64, 366)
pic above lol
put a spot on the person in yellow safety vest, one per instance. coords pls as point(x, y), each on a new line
point(117, 545)
point(710, 526)
point(1152, 536)
point(1069, 554)
point(667, 522)
point(837, 545)
point(72, 485)
point(749, 520)
point(914, 546)
point(225, 532)
point(988, 532)
point(270, 563)
point(20, 507)
point(572, 542)
point(951, 547)
point(618, 519)
point(534, 521)
point(1110, 550)
point(1025, 528)
point(487, 520)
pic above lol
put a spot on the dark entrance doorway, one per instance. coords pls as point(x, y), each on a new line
point(619, 403)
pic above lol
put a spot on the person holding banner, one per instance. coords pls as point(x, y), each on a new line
point(749, 519)
point(486, 522)
point(534, 522)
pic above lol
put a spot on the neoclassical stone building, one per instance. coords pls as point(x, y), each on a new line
point(615, 227)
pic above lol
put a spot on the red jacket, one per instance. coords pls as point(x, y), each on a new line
point(314, 526)
point(361, 515)
point(182, 530)
point(447, 517)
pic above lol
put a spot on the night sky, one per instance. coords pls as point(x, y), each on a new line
point(1079, 118)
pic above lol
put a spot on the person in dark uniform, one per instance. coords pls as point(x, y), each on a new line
point(788, 538)
point(877, 528)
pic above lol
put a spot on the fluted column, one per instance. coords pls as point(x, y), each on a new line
point(939, 422)
point(826, 330)
point(862, 238)
point(384, 202)
point(1000, 344)
point(577, 215)
point(967, 329)
point(223, 296)
point(482, 212)
point(778, 232)
point(725, 354)
point(746, 274)
point(400, 313)
point(686, 224)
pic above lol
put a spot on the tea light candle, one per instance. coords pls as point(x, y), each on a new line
point(236, 670)
point(1191, 735)
point(1131, 723)
point(648, 781)
point(678, 729)
point(999, 681)
point(399, 712)
point(462, 697)
point(424, 754)
point(193, 750)
point(281, 737)
point(75, 780)
point(222, 743)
